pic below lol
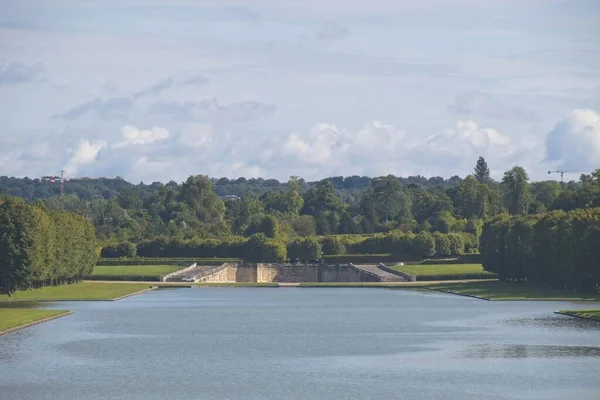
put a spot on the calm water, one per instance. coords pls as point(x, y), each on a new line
point(293, 343)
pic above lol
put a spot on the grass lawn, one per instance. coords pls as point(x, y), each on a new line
point(14, 317)
point(78, 291)
point(135, 270)
point(444, 271)
point(509, 291)
point(591, 314)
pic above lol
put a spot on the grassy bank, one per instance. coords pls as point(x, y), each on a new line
point(495, 290)
point(78, 291)
point(132, 272)
point(135, 270)
point(438, 272)
point(587, 314)
point(14, 318)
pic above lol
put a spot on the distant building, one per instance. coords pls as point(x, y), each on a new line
point(230, 197)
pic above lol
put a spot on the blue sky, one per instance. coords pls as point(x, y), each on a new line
point(158, 90)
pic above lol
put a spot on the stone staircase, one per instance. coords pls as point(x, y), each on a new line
point(196, 272)
point(384, 276)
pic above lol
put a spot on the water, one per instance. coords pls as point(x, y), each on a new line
point(301, 343)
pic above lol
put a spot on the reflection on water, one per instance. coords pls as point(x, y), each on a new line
point(21, 304)
point(487, 350)
point(553, 321)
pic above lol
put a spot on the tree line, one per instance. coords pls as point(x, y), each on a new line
point(558, 249)
point(261, 248)
point(42, 247)
point(124, 212)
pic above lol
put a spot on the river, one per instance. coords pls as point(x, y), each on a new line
point(303, 343)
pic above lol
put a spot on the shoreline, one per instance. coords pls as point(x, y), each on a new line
point(574, 315)
point(33, 323)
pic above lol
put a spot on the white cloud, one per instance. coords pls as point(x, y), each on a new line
point(85, 153)
point(134, 136)
point(574, 142)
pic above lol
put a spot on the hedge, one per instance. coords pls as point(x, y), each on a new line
point(150, 278)
point(456, 277)
point(368, 258)
point(558, 249)
point(162, 261)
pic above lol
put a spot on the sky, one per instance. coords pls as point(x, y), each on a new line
point(157, 90)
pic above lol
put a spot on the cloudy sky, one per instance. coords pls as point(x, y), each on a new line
point(161, 89)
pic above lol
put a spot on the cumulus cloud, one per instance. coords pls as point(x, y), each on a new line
point(85, 153)
point(467, 138)
point(483, 104)
point(574, 142)
point(13, 73)
point(133, 136)
point(115, 107)
point(331, 30)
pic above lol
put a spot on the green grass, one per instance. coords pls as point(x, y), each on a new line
point(445, 271)
point(135, 270)
point(14, 317)
point(495, 290)
point(78, 291)
point(591, 314)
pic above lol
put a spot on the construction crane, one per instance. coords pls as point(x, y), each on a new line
point(558, 171)
point(53, 179)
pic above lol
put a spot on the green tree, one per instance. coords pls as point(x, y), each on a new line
point(482, 172)
point(265, 224)
point(294, 200)
point(423, 244)
point(197, 193)
point(516, 190)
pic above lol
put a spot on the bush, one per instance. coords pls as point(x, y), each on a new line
point(368, 258)
point(423, 245)
point(305, 249)
point(443, 246)
point(332, 245)
point(116, 250)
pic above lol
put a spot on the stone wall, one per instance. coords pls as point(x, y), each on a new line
point(288, 273)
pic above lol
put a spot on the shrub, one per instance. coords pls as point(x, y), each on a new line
point(332, 245)
point(116, 250)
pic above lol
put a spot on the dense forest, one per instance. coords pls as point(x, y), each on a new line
point(202, 208)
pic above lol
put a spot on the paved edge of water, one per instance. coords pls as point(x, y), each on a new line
point(134, 293)
point(39, 321)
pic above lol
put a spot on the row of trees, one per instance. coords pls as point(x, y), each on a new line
point(40, 247)
point(559, 249)
point(259, 247)
point(125, 212)
point(194, 209)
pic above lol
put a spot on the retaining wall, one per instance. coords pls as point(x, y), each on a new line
point(287, 273)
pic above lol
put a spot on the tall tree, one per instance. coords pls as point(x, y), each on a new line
point(482, 172)
point(294, 200)
point(515, 187)
point(198, 194)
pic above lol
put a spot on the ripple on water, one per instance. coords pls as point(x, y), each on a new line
point(487, 350)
